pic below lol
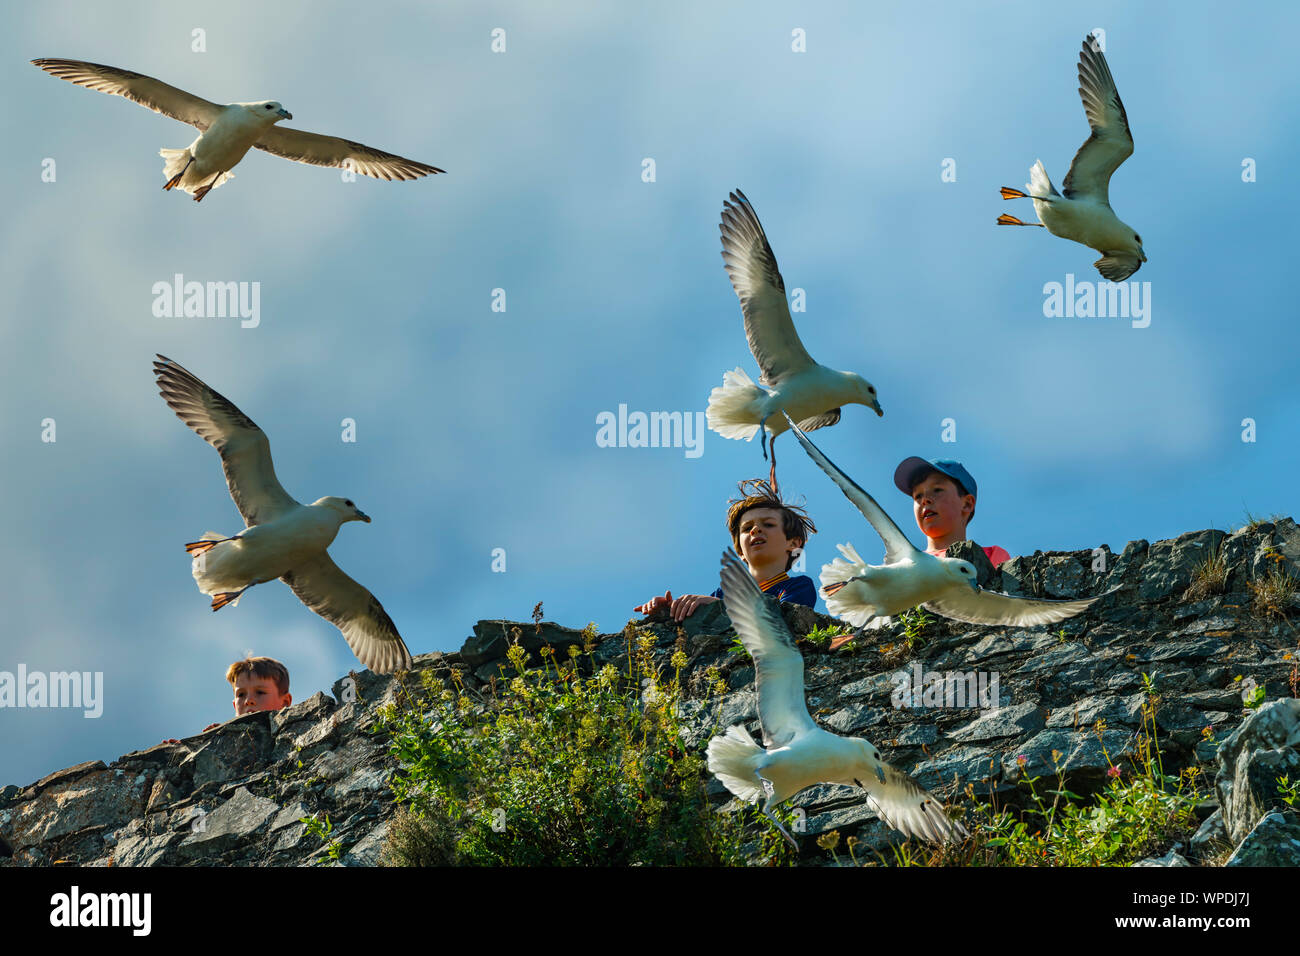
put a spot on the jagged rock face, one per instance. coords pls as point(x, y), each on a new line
point(236, 795)
point(1265, 747)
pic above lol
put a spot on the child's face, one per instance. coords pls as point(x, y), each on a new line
point(254, 693)
point(762, 536)
point(939, 508)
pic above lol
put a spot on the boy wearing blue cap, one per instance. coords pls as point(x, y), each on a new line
point(943, 501)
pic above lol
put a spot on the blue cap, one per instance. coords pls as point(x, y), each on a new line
point(913, 469)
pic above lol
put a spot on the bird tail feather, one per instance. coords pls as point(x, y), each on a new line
point(1039, 186)
point(842, 601)
point(175, 163)
point(733, 759)
point(729, 412)
point(208, 556)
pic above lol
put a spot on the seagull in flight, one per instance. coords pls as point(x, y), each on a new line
point(227, 132)
point(796, 753)
point(856, 591)
point(789, 379)
point(1083, 213)
point(282, 538)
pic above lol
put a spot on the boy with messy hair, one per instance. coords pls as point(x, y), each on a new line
point(259, 683)
point(768, 534)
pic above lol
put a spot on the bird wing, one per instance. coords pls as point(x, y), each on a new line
point(993, 607)
point(244, 449)
point(365, 624)
point(778, 665)
point(145, 90)
point(897, 547)
point(909, 808)
point(754, 275)
point(1111, 142)
point(318, 150)
point(1116, 267)
point(820, 421)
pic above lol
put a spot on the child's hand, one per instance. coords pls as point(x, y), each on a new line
point(688, 604)
point(652, 605)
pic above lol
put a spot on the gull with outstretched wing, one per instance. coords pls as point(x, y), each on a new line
point(796, 753)
point(1082, 213)
point(282, 538)
point(856, 591)
point(789, 379)
point(226, 133)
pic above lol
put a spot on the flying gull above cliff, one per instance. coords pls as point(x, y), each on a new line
point(226, 133)
point(796, 753)
point(789, 379)
point(1083, 212)
point(856, 591)
point(282, 538)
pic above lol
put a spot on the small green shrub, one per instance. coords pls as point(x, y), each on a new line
point(1124, 822)
point(1209, 577)
point(557, 768)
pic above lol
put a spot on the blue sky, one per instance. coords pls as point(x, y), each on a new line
point(476, 429)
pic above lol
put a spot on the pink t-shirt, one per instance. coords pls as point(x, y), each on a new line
point(995, 554)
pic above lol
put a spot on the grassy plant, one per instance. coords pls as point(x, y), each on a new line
point(566, 764)
point(322, 829)
point(1288, 791)
point(1274, 593)
point(737, 646)
point(1255, 521)
point(1209, 577)
point(822, 636)
point(915, 622)
point(1126, 821)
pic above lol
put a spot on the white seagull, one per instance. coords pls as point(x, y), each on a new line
point(227, 132)
point(282, 538)
point(1083, 213)
point(796, 753)
point(856, 591)
point(789, 379)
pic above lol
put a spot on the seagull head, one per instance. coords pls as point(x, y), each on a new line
point(268, 111)
point(865, 392)
point(344, 508)
point(961, 572)
point(871, 765)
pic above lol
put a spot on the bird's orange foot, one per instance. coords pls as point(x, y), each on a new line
point(1009, 193)
point(171, 183)
point(842, 640)
point(223, 598)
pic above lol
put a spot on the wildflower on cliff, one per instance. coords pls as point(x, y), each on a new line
point(1113, 772)
point(516, 655)
point(1022, 760)
point(678, 660)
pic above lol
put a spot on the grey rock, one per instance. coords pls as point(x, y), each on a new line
point(1266, 745)
point(1079, 752)
point(1007, 722)
point(1054, 658)
point(1209, 838)
point(854, 718)
point(366, 851)
point(236, 820)
point(1273, 841)
point(1172, 858)
point(1085, 713)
